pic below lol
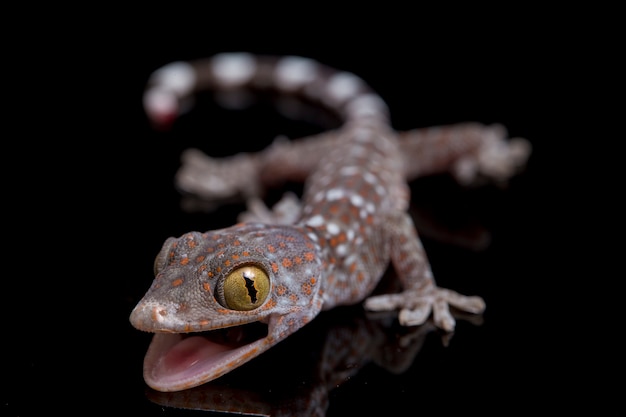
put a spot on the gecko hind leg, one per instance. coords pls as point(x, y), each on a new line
point(496, 159)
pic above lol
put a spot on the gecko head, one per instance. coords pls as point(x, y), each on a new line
point(223, 297)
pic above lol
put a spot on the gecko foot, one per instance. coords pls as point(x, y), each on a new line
point(285, 211)
point(416, 306)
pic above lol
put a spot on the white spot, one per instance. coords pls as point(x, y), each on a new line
point(233, 69)
point(292, 72)
point(160, 103)
point(333, 228)
point(357, 151)
point(350, 234)
point(350, 259)
point(363, 135)
point(356, 200)
point(366, 105)
point(177, 77)
point(370, 178)
point(315, 221)
point(341, 250)
point(334, 194)
point(312, 236)
point(370, 207)
point(319, 196)
point(343, 86)
point(350, 170)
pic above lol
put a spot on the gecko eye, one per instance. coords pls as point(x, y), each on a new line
point(245, 288)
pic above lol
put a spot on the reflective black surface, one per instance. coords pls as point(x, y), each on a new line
point(543, 345)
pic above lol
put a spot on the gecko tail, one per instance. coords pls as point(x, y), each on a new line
point(170, 89)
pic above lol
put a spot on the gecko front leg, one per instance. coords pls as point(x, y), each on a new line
point(420, 295)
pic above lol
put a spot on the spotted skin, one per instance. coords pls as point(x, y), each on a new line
point(331, 248)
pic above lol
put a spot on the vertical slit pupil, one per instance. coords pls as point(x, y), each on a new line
point(251, 289)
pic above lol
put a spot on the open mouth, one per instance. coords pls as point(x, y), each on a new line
point(235, 336)
point(177, 361)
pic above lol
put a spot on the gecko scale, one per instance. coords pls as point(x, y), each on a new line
point(222, 297)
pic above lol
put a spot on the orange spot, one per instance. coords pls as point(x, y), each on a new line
point(227, 262)
point(281, 290)
point(210, 249)
point(360, 276)
point(342, 237)
point(298, 260)
point(201, 268)
point(192, 243)
point(177, 282)
point(287, 263)
point(235, 256)
point(246, 253)
point(309, 256)
point(200, 258)
point(188, 327)
point(203, 322)
point(274, 267)
point(293, 298)
point(270, 304)
point(306, 288)
point(313, 280)
point(334, 209)
point(282, 245)
point(333, 242)
point(236, 243)
point(271, 248)
point(206, 286)
point(353, 267)
point(184, 261)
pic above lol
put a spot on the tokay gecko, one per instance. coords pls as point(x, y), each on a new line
point(222, 297)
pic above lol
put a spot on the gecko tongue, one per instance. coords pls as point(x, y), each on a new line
point(177, 361)
point(188, 352)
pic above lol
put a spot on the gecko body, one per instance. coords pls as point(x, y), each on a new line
point(222, 297)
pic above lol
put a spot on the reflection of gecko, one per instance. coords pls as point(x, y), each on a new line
point(222, 297)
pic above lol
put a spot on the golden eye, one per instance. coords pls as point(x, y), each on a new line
point(246, 288)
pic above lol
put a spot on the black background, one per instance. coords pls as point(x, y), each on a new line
point(103, 201)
